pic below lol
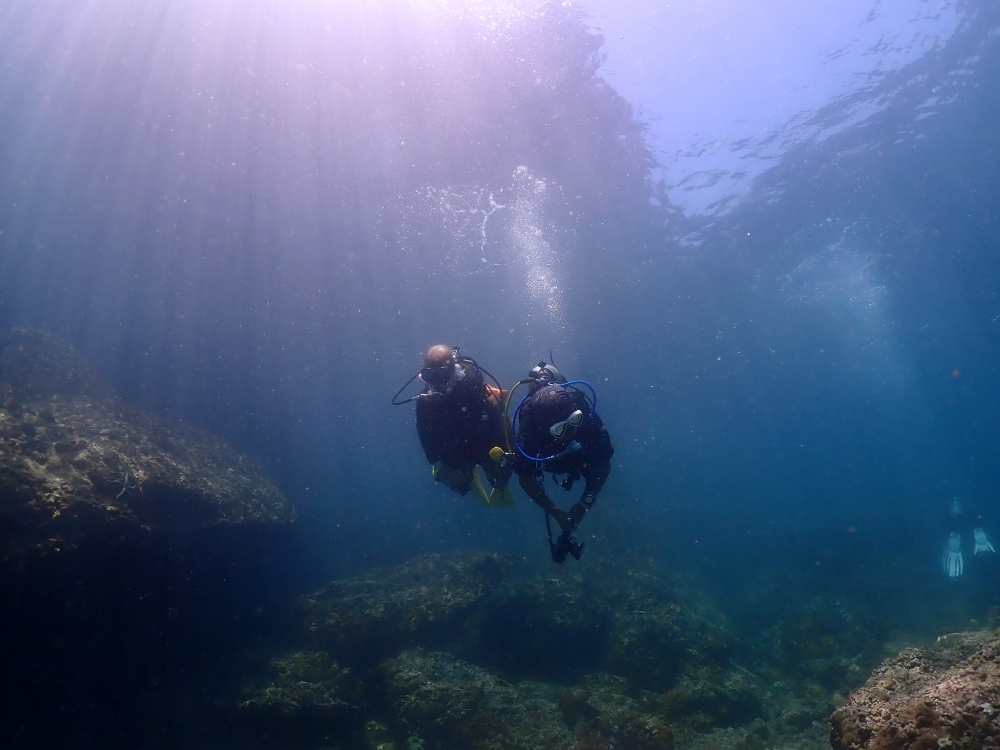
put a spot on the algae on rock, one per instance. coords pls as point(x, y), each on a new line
point(311, 700)
point(451, 703)
point(76, 464)
point(425, 601)
point(947, 696)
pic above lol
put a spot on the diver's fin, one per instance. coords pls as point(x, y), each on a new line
point(502, 498)
point(477, 487)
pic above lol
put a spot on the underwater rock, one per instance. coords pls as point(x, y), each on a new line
point(425, 601)
point(76, 465)
point(661, 631)
point(546, 628)
point(650, 646)
point(823, 641)
point(624, 618)
point(612, 714)
point(449, 703)
point(135, 555)
point(716, 697)
point(947, 696)
point(311, 702)
point(620, 655)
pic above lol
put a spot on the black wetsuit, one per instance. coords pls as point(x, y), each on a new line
point(459, 427)
point(592, 461)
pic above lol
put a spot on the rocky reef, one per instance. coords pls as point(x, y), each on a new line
point(136, 555)
point(150, 591)
point(447, 702)
point(310, 696)
point(426, 601)
point(484, 652)
point(945, 696)
point(77, 465)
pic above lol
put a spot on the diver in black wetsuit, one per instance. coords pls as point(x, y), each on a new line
point(557, 431)
point(459, 421)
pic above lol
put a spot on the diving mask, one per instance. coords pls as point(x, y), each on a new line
point(558, 430)
point(438, 376)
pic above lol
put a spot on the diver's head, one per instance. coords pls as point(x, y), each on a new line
point(554, 411)
point(545, 374)
point(439, 366)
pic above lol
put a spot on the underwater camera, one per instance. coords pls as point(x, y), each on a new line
point(566, 545)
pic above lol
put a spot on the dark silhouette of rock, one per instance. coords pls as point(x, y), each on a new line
point(136, 556)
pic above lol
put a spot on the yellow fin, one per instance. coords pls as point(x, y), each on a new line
point(477, 487)
point(502, 498)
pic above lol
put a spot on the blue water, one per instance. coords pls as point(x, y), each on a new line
point(256, 216)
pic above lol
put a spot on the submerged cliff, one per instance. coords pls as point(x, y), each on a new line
point(135, 555)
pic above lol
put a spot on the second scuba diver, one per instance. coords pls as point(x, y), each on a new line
point(952, 560)
point(557, 430)
point(460, 421)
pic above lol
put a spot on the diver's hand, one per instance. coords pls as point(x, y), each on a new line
point(564, 519)
point(982, 543)
point(576, 514)
point(952, 561)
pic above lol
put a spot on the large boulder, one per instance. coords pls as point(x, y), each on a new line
point(947, 696)
point(77, 466)
point(450, 703)
point(545, 628)
point(425, 601)
point(441, 701)
point(136, 555)
point(661, 630)
point(623, 617)
point(309, 701)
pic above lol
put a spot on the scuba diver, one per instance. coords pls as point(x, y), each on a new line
point(952, 560)
point(461, 425)
point(555, 429)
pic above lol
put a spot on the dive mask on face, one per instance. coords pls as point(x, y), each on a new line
point(437, 376)
point(559, 429)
